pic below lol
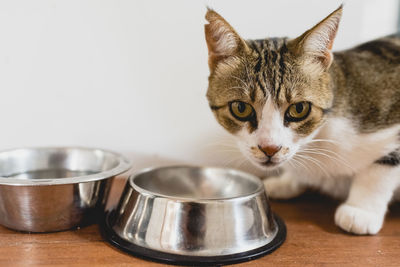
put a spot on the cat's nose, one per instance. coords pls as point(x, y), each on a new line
point(270, 150)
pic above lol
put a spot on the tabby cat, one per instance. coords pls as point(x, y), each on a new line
point(330, 120)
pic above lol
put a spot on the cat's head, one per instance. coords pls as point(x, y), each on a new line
point(272, 94)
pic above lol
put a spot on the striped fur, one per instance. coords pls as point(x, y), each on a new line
point(347, 144)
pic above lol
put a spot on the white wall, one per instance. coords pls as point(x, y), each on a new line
point(131, 76)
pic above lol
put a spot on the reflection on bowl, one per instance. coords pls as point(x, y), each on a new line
point(189, 215)
point(53, 189)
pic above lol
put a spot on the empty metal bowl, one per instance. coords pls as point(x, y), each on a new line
point(54, 189)
point(194, 216)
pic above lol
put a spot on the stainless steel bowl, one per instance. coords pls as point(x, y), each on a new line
point(54, 189)
point(193, 215)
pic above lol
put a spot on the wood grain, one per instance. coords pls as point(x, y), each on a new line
point(312, 240)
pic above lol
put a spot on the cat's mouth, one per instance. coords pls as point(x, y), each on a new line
point(269, 163)
point(263, 161)
point(266, 164)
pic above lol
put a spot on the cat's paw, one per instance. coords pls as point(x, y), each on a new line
point(357, 220)
point(283, 187)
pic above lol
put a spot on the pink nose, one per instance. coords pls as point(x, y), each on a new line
point(270, 150)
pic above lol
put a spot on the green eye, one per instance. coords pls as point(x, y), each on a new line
point(241, 110)
point(298, 111)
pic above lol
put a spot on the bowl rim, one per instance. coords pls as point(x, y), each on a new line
point(259, 190)
point(123, 165)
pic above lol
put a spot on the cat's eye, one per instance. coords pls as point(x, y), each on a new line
point(241, 110)
point(298, 111)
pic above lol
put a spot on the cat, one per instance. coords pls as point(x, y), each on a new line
point(331, 121)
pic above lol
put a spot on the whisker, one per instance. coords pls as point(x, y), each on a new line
point(315, 161)
point(292, 164)
point(302, 164)
point(232, 161)
point(324, 140)
point(337, 157)
point(240, 165)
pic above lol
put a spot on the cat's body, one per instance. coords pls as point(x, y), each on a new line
point(366, 84)
point(363, 125)
point(331, 121)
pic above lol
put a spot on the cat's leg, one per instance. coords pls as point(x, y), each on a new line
point(284, 186)
point(365, 208)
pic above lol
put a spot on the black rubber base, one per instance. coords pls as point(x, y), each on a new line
point(162, 257)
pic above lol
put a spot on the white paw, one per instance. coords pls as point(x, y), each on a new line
point(358, 221)
point(282, 187)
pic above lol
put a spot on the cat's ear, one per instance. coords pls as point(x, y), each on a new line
point(222, 39)
point(315, 45)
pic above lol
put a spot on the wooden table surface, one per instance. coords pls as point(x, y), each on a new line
point(312, 240)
